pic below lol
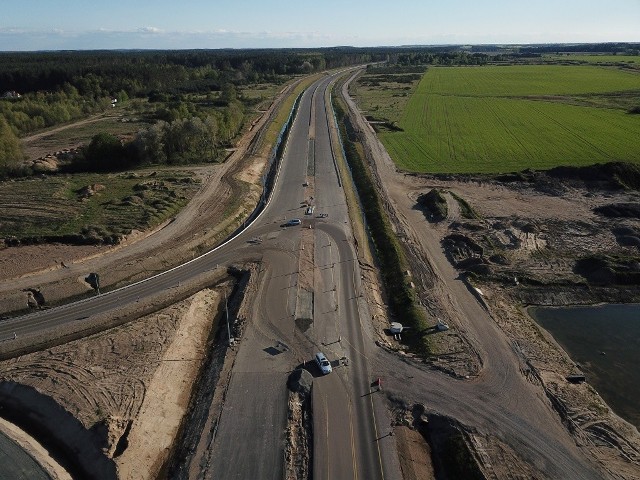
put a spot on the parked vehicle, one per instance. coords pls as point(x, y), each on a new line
point(323, 363)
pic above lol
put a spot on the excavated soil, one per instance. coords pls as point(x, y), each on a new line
point(530, 238)
point(516, 240)
point(130, 385)
point(530, 241)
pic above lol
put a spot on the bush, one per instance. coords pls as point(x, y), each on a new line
point(390, 254)
point(434, 204)
point(11, 153)
point(609, 270)
point(619, 210)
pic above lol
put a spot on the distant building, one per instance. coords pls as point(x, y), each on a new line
point(11, 94)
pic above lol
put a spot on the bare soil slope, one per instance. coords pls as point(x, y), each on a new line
point(131, 385)
point(537, 228)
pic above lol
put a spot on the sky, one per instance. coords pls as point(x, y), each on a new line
point(178, 24)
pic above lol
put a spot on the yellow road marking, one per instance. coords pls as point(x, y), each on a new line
point(353, 443)
point(375, 428)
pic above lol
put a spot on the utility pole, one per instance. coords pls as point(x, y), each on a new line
point(226, 314)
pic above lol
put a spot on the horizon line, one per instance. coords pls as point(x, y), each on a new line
point(417, 45)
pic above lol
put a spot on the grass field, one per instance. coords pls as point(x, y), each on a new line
point(508, 118)
point(54, 208)
point(390, 95)
point(57, 207)
point(605, 59)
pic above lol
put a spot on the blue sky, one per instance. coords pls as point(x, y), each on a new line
point(164, 24)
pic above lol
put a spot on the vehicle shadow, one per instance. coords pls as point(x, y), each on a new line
point(312, 367)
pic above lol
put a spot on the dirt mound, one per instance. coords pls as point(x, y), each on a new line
point(90, 190)
point(614, 175)
point(619, 210)
point(607, 176)
point(298, 447)
point(300, 381)
point(47, 164)
point(609, 270)
point(434, 205)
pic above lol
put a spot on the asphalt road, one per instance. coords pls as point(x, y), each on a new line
point(16, 464)
point(276, 341)
point(350, 427)
point(501, 401)
point(250, 437)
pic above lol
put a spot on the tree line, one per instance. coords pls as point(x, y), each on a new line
point(138, 73)
point(182, 141)
point(58, 87)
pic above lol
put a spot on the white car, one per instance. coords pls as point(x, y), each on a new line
point(323, 363)
point(294, 221)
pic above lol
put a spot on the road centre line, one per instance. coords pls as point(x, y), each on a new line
point(353, 440)
point(375, 429)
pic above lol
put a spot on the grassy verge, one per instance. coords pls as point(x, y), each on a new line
point(391, 258)
point(358, 226)
point(273, 130)
point(466, 210)
point(383, 93)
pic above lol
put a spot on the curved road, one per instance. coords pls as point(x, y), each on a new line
point(251, 434)
point(350, 425)
point(18, 464)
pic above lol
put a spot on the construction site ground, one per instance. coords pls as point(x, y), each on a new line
point(113, 382)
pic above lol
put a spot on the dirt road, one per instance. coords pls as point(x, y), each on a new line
point(505, 399)
point(58, 270)
point(92, 388)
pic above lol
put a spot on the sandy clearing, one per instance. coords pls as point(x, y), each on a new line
point(168, 393)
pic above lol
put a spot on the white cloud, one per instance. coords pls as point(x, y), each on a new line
point(150, 30)
point(151, 37)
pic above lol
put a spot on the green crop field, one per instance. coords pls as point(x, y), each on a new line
point(630, 59)
point(508, 118)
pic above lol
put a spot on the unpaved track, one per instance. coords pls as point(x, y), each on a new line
point(500, 400)
point(159, 249)
point(31, 142)
point(151, 251)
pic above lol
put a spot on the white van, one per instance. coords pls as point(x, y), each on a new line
point(323, 363)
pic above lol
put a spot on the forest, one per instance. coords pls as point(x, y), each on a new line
point(196, 110)
point(189, 98)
